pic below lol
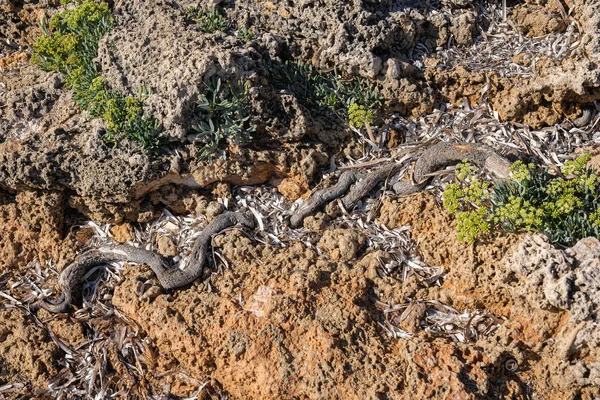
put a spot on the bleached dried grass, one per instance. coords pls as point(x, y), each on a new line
point(114, 358)
point(439, 319)
point(553, 146)
point(498, 47)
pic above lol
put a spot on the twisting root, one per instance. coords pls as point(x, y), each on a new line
point(319, 198)
point(365, 185)
point(362, 188)
point(584, 119)
point(433, 159)
point(71, 278)
point(441, 155)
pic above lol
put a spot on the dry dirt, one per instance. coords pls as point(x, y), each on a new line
point(296, 322)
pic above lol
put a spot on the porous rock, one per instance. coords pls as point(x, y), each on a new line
point(343, 244)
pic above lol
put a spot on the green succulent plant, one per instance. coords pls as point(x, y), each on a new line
point(355, 100)
point(565, 207)
point(561, 206)
point(227, 116)
point(208, 20)
point(70, 39)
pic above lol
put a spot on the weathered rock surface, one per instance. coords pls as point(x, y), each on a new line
point(290, 322)
point(568, 280)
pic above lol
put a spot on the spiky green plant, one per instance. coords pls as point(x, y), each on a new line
point(208, 20)
point(328, 91)
point(227, 114)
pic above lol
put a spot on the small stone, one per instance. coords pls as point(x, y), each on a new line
point(316, 223)
point(343, 244)
point(152, 293)
point(413, 315)
point(166, 246)
point(145, 216)
point(213, 209)
point(292, 188)
point(222, 190)
point(595, 162)
point(393, 69)
point(123, 233)
point(136, 159)
point(201, 205)
point(83, 236)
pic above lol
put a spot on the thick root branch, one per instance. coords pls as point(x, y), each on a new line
point(365, 185)
point(71, 278)
point(443, 154)
point(434, 158)
point(321, 197)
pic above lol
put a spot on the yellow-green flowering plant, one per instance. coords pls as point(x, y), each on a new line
point(69, 45)
point(468, 198)
point(565, 207)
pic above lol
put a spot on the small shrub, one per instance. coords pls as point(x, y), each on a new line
point(245, 34)
point(358, 116)
point(208, 20)
point(565, 208)
point(472, 224)
point(227, 117)
point(69, 45)
point(124, 117)
point(468, 199)
point(328, 91)
point(70, 40)
point(562, 207)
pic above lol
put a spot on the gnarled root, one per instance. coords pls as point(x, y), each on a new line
point(319, 198)
point(585, 118)
point(71, 278)
point(363, 187)
point(441, 155)
point(434, 158)
point(360, 189)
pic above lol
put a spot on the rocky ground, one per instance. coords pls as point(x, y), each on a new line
point(383, 302)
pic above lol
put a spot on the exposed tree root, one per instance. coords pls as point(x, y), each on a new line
point(365, 185)
point(441, 155)
point(357, 186)
point(583, 120)
point(362, 188)
point(71, 278)
point(321, 197)
point(433, 159)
